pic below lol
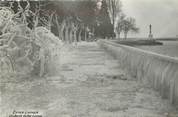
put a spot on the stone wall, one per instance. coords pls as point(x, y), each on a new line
point(159, 70)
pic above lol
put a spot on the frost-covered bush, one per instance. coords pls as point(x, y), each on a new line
point(24, 50)
point(5, 15)
point(49, 47)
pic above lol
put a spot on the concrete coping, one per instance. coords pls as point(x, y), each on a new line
point(149, 53)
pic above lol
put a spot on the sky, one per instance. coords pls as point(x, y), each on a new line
point(162, 14)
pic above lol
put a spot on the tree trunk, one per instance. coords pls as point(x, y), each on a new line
point(113, 28)
point(125, 35)
point(62, 34)
point(79, 35)
point(118, 35)
point(62, 30)
point(50, 21)
point(66, 34)
point(113, 18)
point(85, 35)
point(58, 28)
point(69, 35)
point(75, 37)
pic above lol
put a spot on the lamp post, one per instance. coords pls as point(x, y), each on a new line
point(150, 36)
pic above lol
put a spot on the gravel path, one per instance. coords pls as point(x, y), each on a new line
point(87, 82)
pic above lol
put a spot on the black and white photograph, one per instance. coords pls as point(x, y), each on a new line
point(88, 58)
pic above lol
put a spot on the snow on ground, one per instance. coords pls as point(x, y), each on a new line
point(87, 82)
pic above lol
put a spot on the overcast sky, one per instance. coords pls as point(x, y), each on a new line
point(162, 14)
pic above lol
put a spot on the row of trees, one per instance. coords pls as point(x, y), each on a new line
point(64, 22)
point(69, 23)
point(121, 23)
point(80, 20)
point(71, 29)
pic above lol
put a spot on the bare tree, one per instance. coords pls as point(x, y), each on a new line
point(66, 31)
point(114, 9)
point(120, 25)
point(129, 24)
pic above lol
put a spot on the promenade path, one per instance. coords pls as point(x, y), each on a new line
point(87, 82)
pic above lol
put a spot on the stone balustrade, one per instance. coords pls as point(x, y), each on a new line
point(160, 71)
